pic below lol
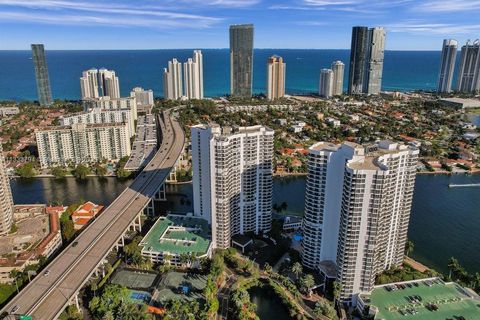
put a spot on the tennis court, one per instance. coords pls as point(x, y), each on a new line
point(178, 285)
point(134, 279)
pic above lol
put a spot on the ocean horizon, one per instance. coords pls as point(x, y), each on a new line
point(403, 70)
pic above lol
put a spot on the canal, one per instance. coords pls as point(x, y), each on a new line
point(444, 221)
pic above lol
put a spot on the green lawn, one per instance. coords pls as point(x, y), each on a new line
point(6, 290)
point(440, 294)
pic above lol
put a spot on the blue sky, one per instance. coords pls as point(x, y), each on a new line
point(157, 24)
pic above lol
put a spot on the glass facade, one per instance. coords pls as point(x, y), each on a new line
point(41, 75)
point(241, 60)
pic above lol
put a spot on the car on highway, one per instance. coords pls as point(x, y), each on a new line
point(14, 309)
point(74, 244)
point(46, 273)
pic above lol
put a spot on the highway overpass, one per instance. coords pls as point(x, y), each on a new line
point(47, 295)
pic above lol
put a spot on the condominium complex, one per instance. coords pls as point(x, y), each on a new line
point(366, 60)
point(338, 68)
point(6, 199)
point(99, 83)
point(107, 103)
point(357, 210)
point(232, 179)
point(142, 97)
point(99, 116)
point(241, 60)
point(469, 72)
point(172, 80)
point(447, 65)
point(82, 143)
point(326, 83)
point(276, 70)
point(193, 76)
point(41, 75)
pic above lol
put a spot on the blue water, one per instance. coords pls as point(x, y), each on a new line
point(403, 70)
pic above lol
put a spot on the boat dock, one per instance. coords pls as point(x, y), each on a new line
point(466, 185)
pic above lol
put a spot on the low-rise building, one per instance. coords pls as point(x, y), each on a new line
point(108, 103)
point(145, 144)
point(84, 213)
point(9, 111)
point(176, 237)
point(460, 103)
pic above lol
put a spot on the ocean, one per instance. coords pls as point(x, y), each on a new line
point(403, 70)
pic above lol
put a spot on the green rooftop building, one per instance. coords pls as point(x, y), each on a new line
point(176, 237)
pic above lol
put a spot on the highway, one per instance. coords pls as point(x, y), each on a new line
point(47, 295)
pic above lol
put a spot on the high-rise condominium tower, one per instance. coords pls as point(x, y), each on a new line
point(357, 209)
point(193, 74)
point(338, 69)
point(326, 83)
point(241, 60)
point(6, 200)
point(41, 75)
point(447, 65)
point(366, 60)
point(99, 83)
point(469, 71)
point(276, 69)
point(172, 80)
point(232, 179)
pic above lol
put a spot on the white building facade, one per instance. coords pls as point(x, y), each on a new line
point(142, 97)
point(107, 103)
point(326, 83)
point(338, 68)
point(82, 143)
point(232, 179)
point(447, 65)
point(6, 199)
point(172, 80)
point(357, 210)
point(99, 83)
point(193, 76)
point(276, 72)
point(469, 72)
point(99, 116)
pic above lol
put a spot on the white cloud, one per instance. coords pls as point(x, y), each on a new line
point(447, 29)
point(448, 5)
point(98, 13)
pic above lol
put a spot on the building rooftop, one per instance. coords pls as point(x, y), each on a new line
point(177, 234)
point(452, 301)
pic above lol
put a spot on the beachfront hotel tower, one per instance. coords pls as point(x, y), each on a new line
point(96, 83)
point(469, 71)
point(241, 60)
point(193, 76)
point(172, 80)
point(447, 66)
point(41, 75)
point(366, 60)
point(232, 179)
point(357, 209)
point(276, 69)
point(338, 68)
point(326, 83)
point(6, 199)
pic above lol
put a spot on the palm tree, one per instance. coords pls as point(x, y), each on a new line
point(267, 267)
point(94, 288)
point(297, 269)
point(409, 247)
point(337, 289)
point(307, 282)
point(453, 265)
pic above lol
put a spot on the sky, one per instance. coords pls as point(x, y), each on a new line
point(170, 24)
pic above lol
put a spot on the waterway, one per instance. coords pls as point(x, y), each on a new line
point(444, 222)
point(268, 304)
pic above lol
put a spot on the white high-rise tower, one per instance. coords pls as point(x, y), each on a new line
point(338, 68)
point(6, 199)
point(172, 80)
point(357, 209)
point(232, 179)
point(469, 71)
point(99, 83)
point(275, 78)
point(447, 65)
point(193, 76)
point(326, 83)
